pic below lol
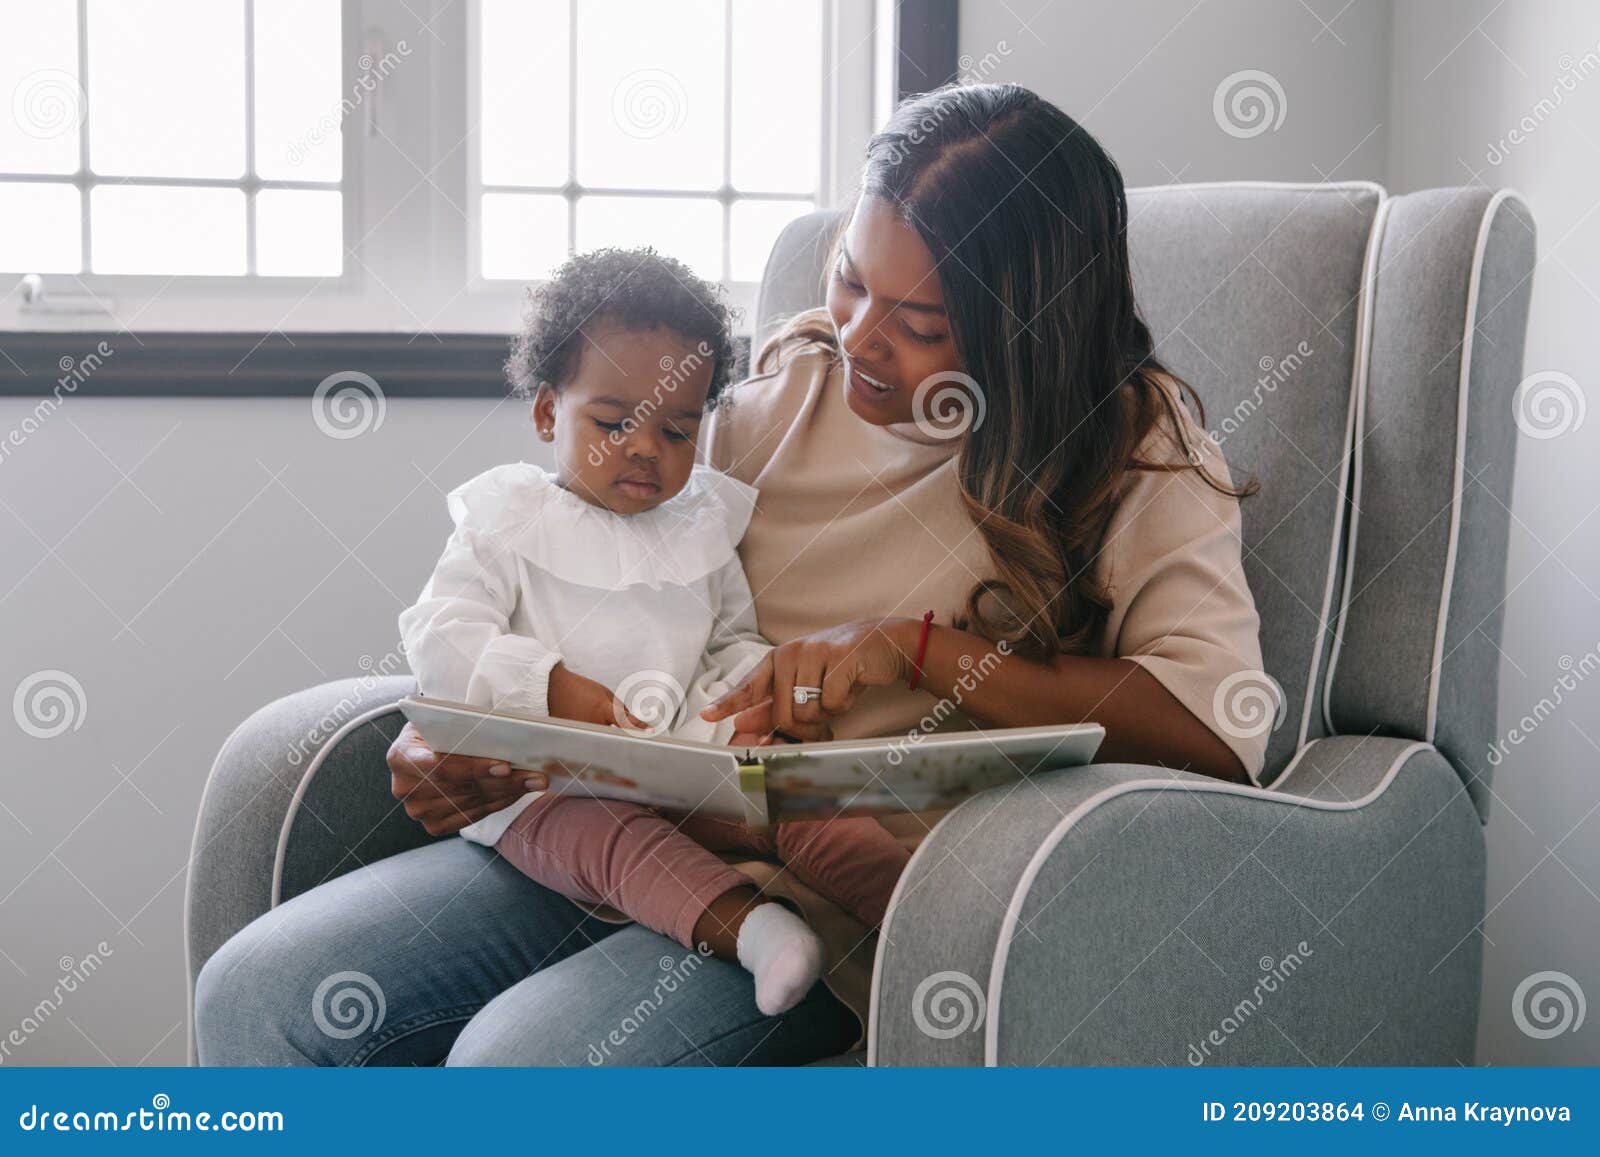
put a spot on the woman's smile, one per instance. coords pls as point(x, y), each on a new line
point(867, 388)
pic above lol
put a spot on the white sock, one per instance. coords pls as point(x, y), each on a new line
point(782, 952)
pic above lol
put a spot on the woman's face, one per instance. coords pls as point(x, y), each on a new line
point(888, 309)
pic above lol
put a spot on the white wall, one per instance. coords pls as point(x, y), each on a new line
point(186, 562)
point(1141, 75)
point(1465, 74)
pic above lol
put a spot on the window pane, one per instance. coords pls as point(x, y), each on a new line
point(523, 236)
point(752, 228)
point(688, 228)
point(650, 94)
point(298, 104)
point(299, 233)
point(522, 92)
point(39, 73)
point(43, 231)
point(777, 95)
point(166, 88)
point(157, 229)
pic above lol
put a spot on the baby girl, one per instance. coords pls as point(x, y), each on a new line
point(595, 591)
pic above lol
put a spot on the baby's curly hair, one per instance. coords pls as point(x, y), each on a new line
point(638, 289)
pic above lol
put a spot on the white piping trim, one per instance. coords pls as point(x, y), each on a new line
point(188, 883)
point(1353, 455)
point(1283, 776)
point(1350, 464)
point(1468, 336)
point(300, 789)
point(1291, 186)
point(883, 940)
point(1008, 927)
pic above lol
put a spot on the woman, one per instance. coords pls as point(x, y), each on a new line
point(974, 425)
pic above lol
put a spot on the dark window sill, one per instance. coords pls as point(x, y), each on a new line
point(248, 365)
point(108, 364)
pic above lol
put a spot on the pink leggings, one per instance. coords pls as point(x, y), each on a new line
point(661, 871)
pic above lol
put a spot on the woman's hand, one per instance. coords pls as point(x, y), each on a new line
point(842, 660)
point(445, 793)
point(572, 696)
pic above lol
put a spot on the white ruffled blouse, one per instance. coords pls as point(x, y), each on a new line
point(654, 605)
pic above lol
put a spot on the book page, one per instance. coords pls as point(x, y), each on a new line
point(581, 759)
point(914, 773)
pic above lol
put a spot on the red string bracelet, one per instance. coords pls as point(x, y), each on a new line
point(922, 652)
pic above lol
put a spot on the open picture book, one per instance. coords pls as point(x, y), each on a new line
point(755, 785)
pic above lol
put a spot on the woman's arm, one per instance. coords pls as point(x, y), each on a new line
point(445, 793)
point(1144, 722)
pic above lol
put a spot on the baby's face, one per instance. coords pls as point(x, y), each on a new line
point(625, 426)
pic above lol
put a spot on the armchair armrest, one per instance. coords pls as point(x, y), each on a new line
point(298, 794)
point(1120, 914)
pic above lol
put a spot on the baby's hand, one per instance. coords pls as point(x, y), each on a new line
point(574, 697)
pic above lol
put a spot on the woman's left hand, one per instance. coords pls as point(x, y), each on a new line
point(842, 660)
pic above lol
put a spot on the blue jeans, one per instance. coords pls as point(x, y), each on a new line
point(447, 953)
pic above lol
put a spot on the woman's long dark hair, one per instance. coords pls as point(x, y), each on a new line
point(1027, 219)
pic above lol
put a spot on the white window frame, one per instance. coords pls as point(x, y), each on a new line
point(572, 191)
point(83, 296)
point(410, 198)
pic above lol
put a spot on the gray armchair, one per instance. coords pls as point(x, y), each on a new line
point(1357, 355)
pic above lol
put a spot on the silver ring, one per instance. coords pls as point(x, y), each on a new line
point(804, 695)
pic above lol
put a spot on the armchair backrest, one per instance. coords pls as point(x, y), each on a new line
point(1303, 314)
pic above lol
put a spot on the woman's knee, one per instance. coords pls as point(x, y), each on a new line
point(245, 1003)
point(504, 1037)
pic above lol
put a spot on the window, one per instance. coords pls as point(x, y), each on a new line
point(172, 137)
point(695, 126)
point(367, 165)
